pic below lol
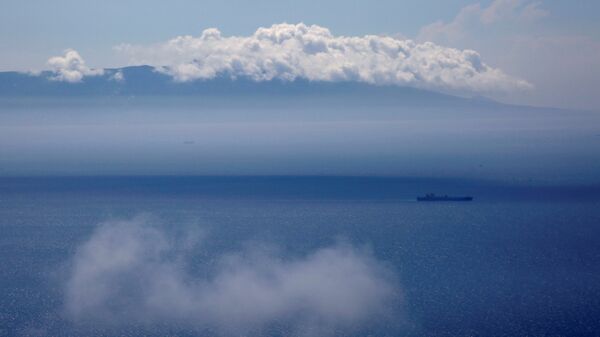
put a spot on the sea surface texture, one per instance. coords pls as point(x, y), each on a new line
point(305, 256)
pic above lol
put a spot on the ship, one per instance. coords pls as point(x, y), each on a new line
point(433, 197)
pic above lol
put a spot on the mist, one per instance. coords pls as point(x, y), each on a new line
point(138, 273)
point(292, 136)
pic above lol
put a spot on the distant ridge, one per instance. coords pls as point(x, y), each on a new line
point(145, 81)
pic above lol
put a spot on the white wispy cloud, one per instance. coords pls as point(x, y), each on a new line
point(476, 17)
point(132, 273)
point(500, 10)
point(515, 35)
point(71, 67)
point(289, 52)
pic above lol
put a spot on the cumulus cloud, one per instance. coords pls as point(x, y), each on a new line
point(71, 67)
point(512, 35)
point(288, 52)
point(475, 17)
point(132, 273)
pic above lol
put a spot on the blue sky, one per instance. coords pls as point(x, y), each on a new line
point(557, 50)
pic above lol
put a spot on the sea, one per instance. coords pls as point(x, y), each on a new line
point(239, 255)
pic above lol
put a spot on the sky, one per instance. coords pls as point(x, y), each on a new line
point(552, 45)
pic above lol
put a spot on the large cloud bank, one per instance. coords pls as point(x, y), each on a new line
point(133, 274)
point(71, 67)
point(288, 52)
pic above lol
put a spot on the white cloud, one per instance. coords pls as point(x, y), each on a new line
point(131, 273)
point(475, 17)
point(562, 66)
point(502, 10)
point(288, 52)
point(71, 67)
point(533, 11)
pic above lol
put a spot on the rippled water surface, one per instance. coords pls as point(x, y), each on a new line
point(516, 261)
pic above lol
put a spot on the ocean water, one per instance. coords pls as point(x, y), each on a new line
point(518, 260)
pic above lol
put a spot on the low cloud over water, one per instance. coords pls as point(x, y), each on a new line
point(135, 273)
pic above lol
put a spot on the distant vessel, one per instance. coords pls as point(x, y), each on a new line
point(433, 197)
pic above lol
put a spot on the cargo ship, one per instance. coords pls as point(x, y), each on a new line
point(433, 197)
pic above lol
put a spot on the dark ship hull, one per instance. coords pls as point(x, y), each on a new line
point(443, 198)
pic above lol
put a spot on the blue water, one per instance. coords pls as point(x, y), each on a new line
point(519, 260)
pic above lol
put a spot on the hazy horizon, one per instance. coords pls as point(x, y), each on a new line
point(279, 135)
